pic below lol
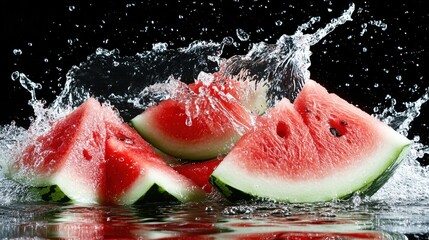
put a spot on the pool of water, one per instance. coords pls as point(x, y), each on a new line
point(216, 220)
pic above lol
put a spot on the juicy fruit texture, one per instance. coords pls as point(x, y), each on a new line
point(202, 123)
point(70, 155)
point(133, 170)
point(264, 162)
point(318, 149)
point(92, 156)
point(199, 172)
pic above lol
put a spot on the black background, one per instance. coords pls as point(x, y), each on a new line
point(360, 61)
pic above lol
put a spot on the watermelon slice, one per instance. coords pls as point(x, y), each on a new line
point(203, 122)
point(92, 156)
point(70, 155)
point(366, 149)
point(134, 169)
point(320, 148)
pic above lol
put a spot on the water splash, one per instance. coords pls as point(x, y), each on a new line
point(284, 65)
point(401, 121)
point(132, 83)
point(11, 192)
point(410, 183)
point(109, 76)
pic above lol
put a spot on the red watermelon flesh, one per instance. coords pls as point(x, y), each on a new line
point(133, 169)
point(204, 123)
point(280, 143)
point(348, 139)
point(78, 155)
point(122, 172)
point(70, 155)
point(266, 160)
point(343, 134)
point(334, 151)
point(199, 172)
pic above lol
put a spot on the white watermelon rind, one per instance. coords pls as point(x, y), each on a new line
point(177, 186)
point(157, 183)
point(182, 150)
point(156, 187)
point(235, 183)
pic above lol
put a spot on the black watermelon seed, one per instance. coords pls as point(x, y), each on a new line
point(335, 132)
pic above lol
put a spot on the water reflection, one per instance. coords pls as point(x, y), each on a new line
point(214, 221)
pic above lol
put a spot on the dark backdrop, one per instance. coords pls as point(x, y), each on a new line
point(382, 51)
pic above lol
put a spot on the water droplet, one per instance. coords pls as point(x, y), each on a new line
point(205, 78)
point(242, 35)
point(188, 121)
point(72, 8)
point(15, 75)
point(376, 109)
point(17, 52)
point(279, 23)
point(379, 24)
point(159, 47)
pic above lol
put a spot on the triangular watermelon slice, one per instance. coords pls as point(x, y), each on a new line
point(204, 120)
point(132, 170)
point(92, 156)
point(364, 149)
point(70, 155)
point(319, 149)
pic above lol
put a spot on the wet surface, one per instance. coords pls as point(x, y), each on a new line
point(376, 61)
point(215, 221)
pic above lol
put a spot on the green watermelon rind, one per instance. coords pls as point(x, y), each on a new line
point(176, 186)
point(155, 193)
point(372, 187)
point(52, 193)
point(233, 194)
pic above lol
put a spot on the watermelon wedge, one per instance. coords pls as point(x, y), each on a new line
point(320, 148)
point(70, 155)
point(135, 170)
point(91, 156)
point(204, 121)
